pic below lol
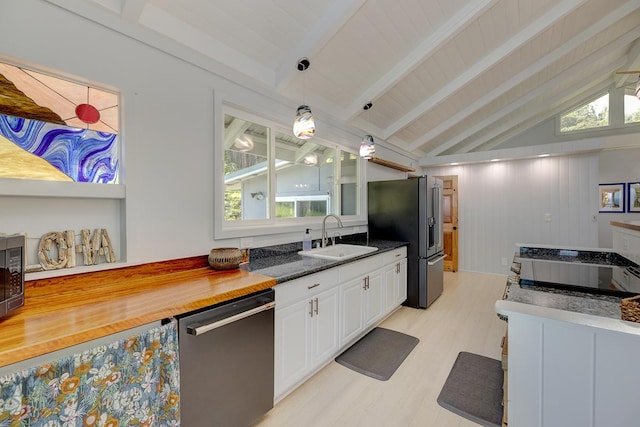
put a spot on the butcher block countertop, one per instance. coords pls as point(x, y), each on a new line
point(65, 311)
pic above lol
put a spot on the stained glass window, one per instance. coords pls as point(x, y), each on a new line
point(57, 130)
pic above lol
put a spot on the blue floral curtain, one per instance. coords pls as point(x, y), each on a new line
point(130, 382)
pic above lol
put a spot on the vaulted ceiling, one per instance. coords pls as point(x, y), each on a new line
point(445, 77)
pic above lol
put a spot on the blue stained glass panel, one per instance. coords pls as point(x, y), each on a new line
point(83, 155)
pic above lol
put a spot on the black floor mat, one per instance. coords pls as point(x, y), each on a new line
point(473, 389)
point(379, 353)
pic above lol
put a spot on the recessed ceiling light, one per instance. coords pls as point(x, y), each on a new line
point(495, 160)
point(543, 155)
point(454, 164)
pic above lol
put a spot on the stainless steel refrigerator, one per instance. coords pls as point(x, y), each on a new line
point(410, 210)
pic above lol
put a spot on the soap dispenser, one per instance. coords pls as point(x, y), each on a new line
point(306, 241)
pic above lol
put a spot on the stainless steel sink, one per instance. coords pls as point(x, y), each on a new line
point(339, 252)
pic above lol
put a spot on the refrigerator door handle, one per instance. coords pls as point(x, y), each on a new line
point(437, 260)
point(437, 210)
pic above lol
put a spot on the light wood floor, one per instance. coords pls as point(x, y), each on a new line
point(462, 319)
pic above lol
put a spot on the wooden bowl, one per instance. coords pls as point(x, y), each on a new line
point(225, 258)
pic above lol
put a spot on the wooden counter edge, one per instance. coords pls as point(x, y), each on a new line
point(625, 225)
point(18, 354)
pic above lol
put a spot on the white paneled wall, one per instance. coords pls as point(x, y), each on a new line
point(570, 369)
point(550, 200)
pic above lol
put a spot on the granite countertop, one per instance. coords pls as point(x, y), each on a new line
point(283, 263)
point(579, 302)
point(584, 256)
point(568, 299)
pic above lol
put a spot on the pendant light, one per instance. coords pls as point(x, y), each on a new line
point(304, 126)
point(367, 146)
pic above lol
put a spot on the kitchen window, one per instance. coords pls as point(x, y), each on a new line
point(273, 180)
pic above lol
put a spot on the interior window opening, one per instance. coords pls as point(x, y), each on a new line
point(272, 175)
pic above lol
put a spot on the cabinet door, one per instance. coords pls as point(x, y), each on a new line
point(402, 281)
point(352, 315)
point(373, 297)
point(292, 359)
point(324, 325)
point(390, 287)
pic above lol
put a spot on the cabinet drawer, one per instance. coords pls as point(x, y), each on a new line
point(305, 287)
point(394, 255)
point(359, 268)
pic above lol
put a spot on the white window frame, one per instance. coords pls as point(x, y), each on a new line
point(257, 227)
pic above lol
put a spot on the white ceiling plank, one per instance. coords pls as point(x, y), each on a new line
point(166, 24)
point(132, 9)
point(560, 148)
point(313, 40)
point(430, 45)
point(488, 61)
point(632, 64)
point(560, 104)
point(516, 80)
point(599, 79)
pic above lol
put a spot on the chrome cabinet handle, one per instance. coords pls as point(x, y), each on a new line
point(199, 330)
point(364, 283)
point(311, 308)
point(315, 285)
point(316, 306)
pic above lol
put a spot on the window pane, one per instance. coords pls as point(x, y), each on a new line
point(285, 209)
point(312, 208)
point(304, 175)
point(245, 169)
point(348, 186)
point(592, 115)
point(631, 107)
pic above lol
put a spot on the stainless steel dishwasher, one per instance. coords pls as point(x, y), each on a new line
point(226, 362)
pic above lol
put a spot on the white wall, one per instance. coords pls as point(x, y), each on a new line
point(171, 109)
point(617, 166)
point(504, 203)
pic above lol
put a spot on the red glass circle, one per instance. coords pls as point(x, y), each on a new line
point(87, 113)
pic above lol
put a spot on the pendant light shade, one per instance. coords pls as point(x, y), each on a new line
point(367, 147)
point(304, 126)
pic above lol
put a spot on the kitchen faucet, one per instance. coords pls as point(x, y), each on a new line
point(325, 238)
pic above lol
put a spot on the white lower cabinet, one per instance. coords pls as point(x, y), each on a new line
point(362, 305)
point(319, 315)
point(396, 284)
point(306, 327)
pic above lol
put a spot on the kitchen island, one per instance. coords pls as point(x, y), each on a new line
point(571, 360)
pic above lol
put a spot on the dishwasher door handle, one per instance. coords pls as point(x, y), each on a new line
point(198, 329)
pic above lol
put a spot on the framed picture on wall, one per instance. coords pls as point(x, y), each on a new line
point(633, 196)
point(611, 197)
